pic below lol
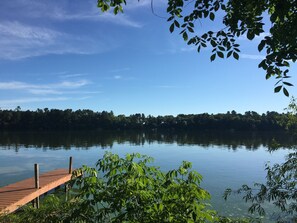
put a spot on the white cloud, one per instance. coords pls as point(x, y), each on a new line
point(15, 85)
point(117, 77)
point(252, 56)
point(71, 84)
point(61, 88)
point(23, 34)
point(86, 10)
point(12, 103)
point(44, 91)
point(188, 49)
point(30, 100)
point(17, 30)
point(56, 92)
point(120, 19)
point(65, 75)
point(18, 41)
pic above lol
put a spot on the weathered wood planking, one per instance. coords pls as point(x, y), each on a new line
point(18, 194)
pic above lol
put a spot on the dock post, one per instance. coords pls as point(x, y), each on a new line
point(70, 172)
point(70, 164)
point(36, 173)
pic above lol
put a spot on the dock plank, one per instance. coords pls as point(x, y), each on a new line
point(20, 193)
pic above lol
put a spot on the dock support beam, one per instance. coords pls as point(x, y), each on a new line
point(70, 172)
point(70, 165)
point(36, 173)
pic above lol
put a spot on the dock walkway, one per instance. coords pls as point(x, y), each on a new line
point(18, 194)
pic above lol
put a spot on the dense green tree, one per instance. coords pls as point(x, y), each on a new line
point(55, 119)
point(274, 21)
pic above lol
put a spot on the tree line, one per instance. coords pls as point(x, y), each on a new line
point(55, 119)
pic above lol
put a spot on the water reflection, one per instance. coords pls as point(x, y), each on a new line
point(211, 152)
point(107, 139)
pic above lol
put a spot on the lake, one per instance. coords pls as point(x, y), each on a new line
point(225, 159)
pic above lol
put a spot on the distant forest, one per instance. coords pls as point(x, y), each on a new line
point(55, 119)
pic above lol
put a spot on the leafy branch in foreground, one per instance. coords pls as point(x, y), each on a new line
point(240, 18)
point(132, 191)
point(280, 188)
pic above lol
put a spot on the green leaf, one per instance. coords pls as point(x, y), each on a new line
point(235, 55)
point(220, 54)
point(221, 48)
point(277, 89)
point(263, 64)
point(288, 84)
point(213, 57)
point(171, 28)
point(250, 35)
point(176, 23)
point(204, 36)
point(286, 92)
point(261, 45)
point(212, 16)
point(213, 43)
point(190, 29)
point(185, 36)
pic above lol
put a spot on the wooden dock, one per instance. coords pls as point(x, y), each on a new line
point(15, 195)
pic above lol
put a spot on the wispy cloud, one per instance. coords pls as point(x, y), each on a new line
point(120, 76)
point(61, 88)
point(17, 30)
point(252, 56)
point(56, 92)
point(71, 84)
point(15, 102)
point(34, 29)
point(65, 75)
point(18, 41)
point(188, 49)
point(67, 11)
point(30, 100)
point(15, 85)
point(35, 93)
point(44, 91)
point(120, 19)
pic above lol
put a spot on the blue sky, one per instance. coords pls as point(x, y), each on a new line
point(66, 54)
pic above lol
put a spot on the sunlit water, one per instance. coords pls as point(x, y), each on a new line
point(220, 165)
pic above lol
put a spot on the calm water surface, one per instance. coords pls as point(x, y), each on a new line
point(225, 159)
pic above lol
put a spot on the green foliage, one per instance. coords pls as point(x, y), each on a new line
point(130, 190)
point(292, 115)
point(280, 188)
point(241, 18)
